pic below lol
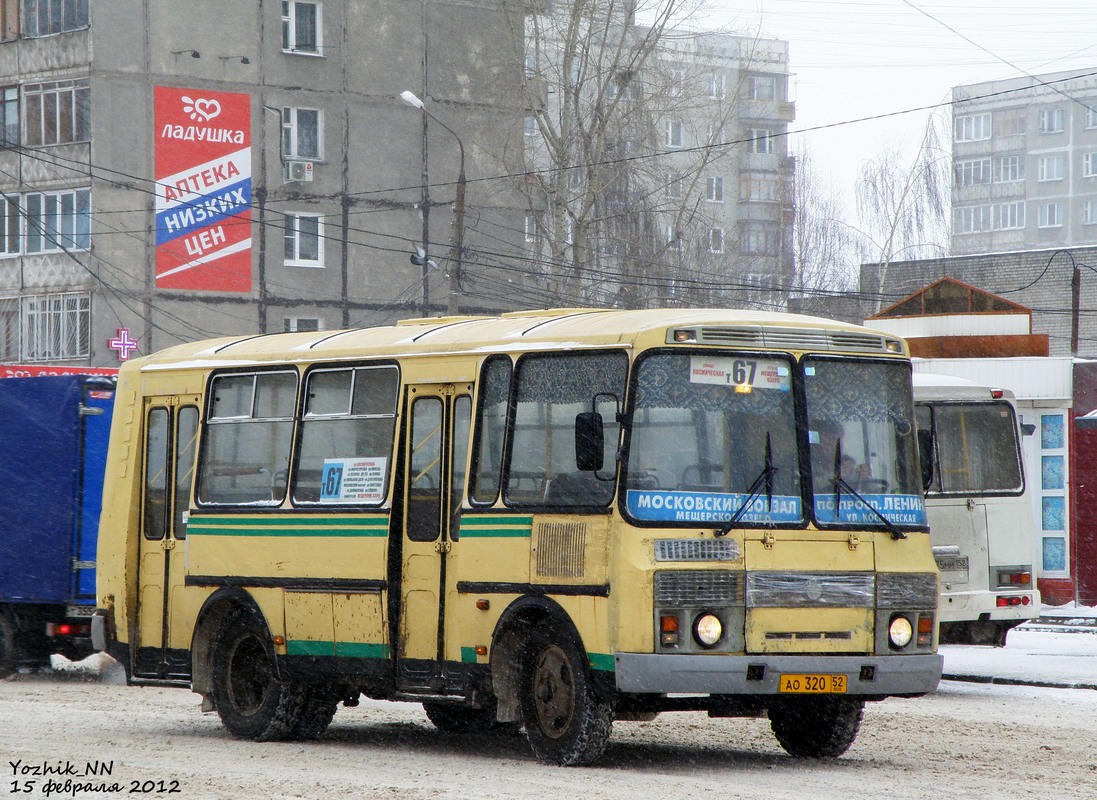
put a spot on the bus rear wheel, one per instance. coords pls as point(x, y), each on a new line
point(565, 722)
point(250, 700)
point(816, 727)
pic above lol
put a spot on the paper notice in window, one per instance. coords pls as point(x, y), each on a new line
point(353, 480)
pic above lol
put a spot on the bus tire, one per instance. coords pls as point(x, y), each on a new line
point(317, 711)
point(816, 727)
point(452, 718)
point(565, 721)
point(250, 700)
point(8, 660)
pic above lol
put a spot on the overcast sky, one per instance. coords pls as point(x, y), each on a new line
point(860, 58)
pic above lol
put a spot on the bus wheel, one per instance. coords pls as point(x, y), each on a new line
point(252, 704)
point(565, 722)
point(7, 646)
point(816, 727)
point(453, 718)
point(317, 712)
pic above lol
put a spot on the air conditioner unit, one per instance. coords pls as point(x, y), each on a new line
point(297, 171)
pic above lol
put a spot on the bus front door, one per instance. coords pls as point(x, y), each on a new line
point(435, 442)
point(170, 428)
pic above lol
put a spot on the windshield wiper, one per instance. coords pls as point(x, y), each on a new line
point(764, 479)
point(841, 483)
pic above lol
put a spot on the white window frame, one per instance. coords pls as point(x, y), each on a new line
point(1009, 169)
point(715, 239)
point(673, 238)
point(677, 82)
point(972, 127)
point(673, 134)
point(40, 17)
point(1089, 165)
point(292, 239)
point(291, 134)
point(1009, 216)
point(1050, 215)
point(971, 219)
point(717, 86)
point(11, 123)
point(1091, 113)
point(58, 112)
point(761, 141)
point(291, 28)
point(11, 225)
point(1089, 212)
point(529, 228)
point(1051, 120)
point(529, 125)
point(972, 172)
point(56, 326)
point(674, 187)
point(57, 221)
point(762, 87)
point(1050, 168)
point(758, 187)
point(293, 324)
point(714, 189)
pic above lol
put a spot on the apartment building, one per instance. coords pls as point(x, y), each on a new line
point(1024, 158)
point(171, 171)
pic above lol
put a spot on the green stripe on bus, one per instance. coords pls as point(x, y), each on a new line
point(292, 526)
point(302, 647)
point(601, 661)
point(468, 655)
point(284, 520)
point(496, 527)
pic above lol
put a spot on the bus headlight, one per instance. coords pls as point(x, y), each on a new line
point(900, 631)
point(707, 630)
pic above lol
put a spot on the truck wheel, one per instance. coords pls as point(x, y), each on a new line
point(453, 718)
point(7, 646)
point(250, 700)
point(564, 720)
point(816, 727)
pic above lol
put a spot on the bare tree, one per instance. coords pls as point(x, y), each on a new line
point(826, 249)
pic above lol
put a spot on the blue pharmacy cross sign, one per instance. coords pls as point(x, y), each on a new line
point(123, 344)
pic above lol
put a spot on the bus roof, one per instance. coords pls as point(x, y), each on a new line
point(531, 330)
point(935, 386)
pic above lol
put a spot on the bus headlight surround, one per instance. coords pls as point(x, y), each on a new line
point(900, 631)
point(707, 629)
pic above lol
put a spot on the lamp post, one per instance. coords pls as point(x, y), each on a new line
point(458, 207)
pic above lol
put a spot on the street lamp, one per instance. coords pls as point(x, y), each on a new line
point(458, 206)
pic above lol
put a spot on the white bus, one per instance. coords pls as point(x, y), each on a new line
point(980, 516)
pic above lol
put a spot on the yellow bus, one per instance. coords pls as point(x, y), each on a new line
point(549, 519)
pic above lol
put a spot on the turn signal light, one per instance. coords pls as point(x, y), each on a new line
point(668, 630)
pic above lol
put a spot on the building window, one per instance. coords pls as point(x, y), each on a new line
point(762, 87)
point(1089, 212)
point(761, 140)
point(529, 125)
point(972, 127)
point(56, 327)
point(301, 27)
point(9, 235)
point(715, 134)
point(301, 324)
point(9, 116)
point(301, 133)
point(758, 187)
point(43, 17)
point(674, 187)
point(1051, 215)
point(1050, 168)
point(57, 112)
point(1011, 123)
point(716, 85)
point(1009, 216)
point(530, 228)
point(9, 20)
point(1051, 120)
point(716, 240)
point(674, 134)
point(9, 329)
point(673, 240)
point(714, 190)
point(1091, 113)
point(972, 172)
point(1009, 168)
point(677, 83)
point(304, 240)
point(971, 219)
point(58, 221)
point(1089, 165)
point(758, 240)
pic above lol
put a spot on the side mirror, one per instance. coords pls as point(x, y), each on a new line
point(925, 457)
point(590, 441)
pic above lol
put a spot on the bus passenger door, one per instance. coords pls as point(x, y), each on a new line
point(170, 442)
point(435, 442)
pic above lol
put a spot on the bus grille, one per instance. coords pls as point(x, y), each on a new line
point(810, 589)
point(906, 590)
point(688, 588)
point(794, 339)
point(561, 547)
point(697, 550)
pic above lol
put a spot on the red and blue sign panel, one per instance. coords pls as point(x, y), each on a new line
point(203, 190)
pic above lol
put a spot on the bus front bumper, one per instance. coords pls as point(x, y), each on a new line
point(760, 674)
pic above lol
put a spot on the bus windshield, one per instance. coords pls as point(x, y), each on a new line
point(861, 442)
point(706, 431)
point(977, 452)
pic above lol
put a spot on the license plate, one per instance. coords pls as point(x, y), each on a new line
point(812, 684)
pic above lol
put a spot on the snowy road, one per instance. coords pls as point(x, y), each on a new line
point(969, 741)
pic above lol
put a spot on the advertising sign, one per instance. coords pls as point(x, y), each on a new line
point(203, 190)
